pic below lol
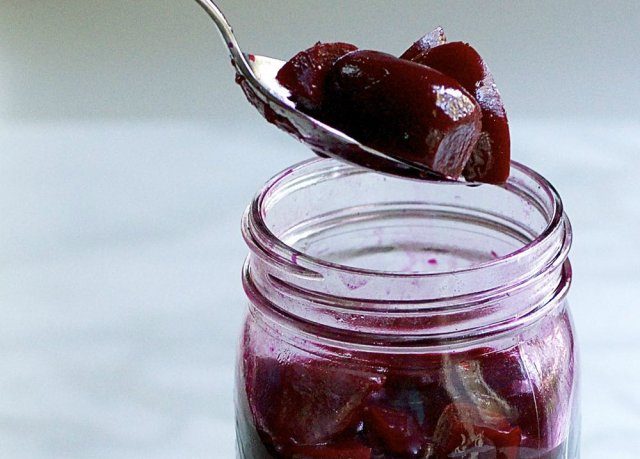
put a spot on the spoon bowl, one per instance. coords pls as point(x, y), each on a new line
point(257, 77)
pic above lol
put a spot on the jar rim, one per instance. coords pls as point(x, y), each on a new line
point(293, 257)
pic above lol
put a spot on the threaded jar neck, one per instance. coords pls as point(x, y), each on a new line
point(343, 251)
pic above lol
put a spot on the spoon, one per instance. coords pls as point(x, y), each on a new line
point(257, 77)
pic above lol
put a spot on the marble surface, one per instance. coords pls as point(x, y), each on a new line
point(120, 296)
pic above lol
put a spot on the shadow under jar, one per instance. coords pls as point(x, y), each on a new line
point(393, 318)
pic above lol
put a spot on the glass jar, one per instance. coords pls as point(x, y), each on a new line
point(393, 318)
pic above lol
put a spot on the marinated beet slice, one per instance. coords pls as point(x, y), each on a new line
point(304, 75)
point(418, 392)
point(467, 429)
point(490, 161)
point(506, 374)
point(404, 109)
point(434, 38)
point(346, 450)
point(307, 403)
point(397, 432)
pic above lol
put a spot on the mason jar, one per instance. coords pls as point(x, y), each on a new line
point(395, 318)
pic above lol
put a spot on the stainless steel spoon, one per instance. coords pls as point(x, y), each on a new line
point(257, 76)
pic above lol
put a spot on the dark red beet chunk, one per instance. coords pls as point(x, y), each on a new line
point(307, 403)
point(490, 161)
point(470, 429)
point(431, 40)
point(304, 74)
point(404, 109)
point(396, 431)
point(346, 450)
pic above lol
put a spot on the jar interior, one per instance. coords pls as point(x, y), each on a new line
point(364, 220)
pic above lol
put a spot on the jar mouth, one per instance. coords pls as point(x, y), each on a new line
point(303, 263)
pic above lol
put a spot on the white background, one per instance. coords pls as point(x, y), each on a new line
point(127, 156)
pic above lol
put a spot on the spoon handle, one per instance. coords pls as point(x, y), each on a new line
point(227, 35)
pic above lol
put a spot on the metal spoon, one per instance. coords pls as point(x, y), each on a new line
point(257, 76)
